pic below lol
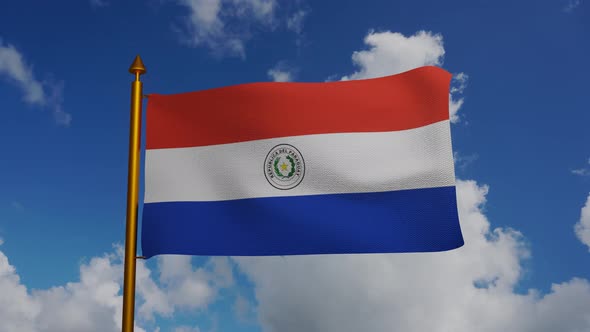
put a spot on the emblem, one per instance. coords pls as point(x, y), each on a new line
point(284, 167)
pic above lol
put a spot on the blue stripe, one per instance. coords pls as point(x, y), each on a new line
point(398, 221)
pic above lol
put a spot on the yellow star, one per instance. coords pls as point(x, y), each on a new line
point(284, 166)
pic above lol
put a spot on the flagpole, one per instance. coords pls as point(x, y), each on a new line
point(137, 68)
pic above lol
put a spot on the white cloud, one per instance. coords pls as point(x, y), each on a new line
point(55, 101)
point(583, 171)
point(187, 329)
point(461, 80)
point(468, 289)
point(14, 68)
point(155, 299)
point(187, 287)
point(391, 53)
point(17, 308)
point(454, 106)
point(281, 72)
point(572, 5)
point(260, 9)
point(458, 85)
point(225, 26)
point(462, 161)
point(94, 302)
point(279, 75)
point(582, 228)
point(295, 21)
point(209, 21)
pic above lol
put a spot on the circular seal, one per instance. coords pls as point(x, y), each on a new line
point(284, 167)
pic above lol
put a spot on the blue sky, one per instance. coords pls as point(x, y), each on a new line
point(520, 137)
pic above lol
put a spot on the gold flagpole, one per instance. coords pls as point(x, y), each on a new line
point(137, 68)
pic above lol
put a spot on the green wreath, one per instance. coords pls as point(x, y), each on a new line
point(278, 172)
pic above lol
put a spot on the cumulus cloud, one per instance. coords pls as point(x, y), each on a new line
point(282, 72)
point(94, 302)
point(468, 289)
point(222, 25)
point(186, 287)
point(44, 94)
point(155, 300)
point(582, 228)
point(391, 53)
point(279, 75)
point(180, 285)
point(17, 308)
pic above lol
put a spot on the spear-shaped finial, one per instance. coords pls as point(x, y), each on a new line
point(137, 66)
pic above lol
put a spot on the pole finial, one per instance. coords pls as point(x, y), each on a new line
point(137, 66)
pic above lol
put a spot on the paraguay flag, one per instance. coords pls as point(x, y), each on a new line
point(360, 166)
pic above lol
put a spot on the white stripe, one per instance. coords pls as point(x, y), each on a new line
point(334, 163)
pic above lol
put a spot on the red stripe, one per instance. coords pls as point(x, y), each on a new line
point(267, 110)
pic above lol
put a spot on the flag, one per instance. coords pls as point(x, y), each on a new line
point(363, 166)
